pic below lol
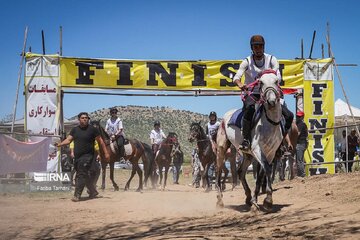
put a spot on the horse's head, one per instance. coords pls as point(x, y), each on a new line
point(196, 132)
point(96, 124)
point(172, 138)
point(269, 88)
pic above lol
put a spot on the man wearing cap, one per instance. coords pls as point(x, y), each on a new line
point(252, 66)
point(302, 143)
point(84, 136)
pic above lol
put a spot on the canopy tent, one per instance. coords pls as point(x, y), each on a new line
point(343, 115)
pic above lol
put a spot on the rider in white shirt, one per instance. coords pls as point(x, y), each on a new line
point(252, 66)
point(115, 130)
point(156, 136)
point(212, 128)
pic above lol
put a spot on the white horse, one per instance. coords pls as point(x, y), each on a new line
point(266, 137)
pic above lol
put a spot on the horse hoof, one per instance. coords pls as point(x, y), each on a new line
point(219, 204)
point(116, 188)
point(138, 190)
point(267, 204)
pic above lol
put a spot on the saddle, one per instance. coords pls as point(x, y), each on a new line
point(237, 117)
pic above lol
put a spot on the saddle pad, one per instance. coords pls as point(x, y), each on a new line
point(128, 149)
point(236, 118)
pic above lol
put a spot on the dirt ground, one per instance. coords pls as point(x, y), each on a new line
point(318, 207)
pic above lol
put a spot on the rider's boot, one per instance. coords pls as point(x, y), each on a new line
point(246, 130)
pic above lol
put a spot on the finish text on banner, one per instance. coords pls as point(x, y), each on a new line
point(319, 115)
point(163, 75)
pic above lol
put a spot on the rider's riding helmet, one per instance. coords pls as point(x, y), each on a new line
point(257, 39)
point(157, 123)
point(113, 110)
point(212, 113)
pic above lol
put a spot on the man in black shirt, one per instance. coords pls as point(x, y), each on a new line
point(84, 137)
point(353, 144)
point(302, 143)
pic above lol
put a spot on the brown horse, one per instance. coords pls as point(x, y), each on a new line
point(163, 156)
point(206, 154)
point(134, 149)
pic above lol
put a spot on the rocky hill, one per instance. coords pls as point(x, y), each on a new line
point(138, 122)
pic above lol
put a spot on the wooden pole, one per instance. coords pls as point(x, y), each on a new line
point(328, 37)
point(312, 44)
point(19, 77)
point(302, 48)
point(60, 40)
point(43, 41)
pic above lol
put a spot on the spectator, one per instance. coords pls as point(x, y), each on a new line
point(302, 144)
point(353, 143)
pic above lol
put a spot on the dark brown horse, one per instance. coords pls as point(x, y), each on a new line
point(163, 156)
point(134, 149)
point(206, 154)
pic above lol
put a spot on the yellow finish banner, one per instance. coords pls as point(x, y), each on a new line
point(319, 116)
point(163, 75)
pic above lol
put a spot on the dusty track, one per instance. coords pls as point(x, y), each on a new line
point(319, 207)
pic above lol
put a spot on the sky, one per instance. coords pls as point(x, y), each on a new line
point(176, 30)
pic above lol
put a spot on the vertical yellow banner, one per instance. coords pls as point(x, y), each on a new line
point(319, 116)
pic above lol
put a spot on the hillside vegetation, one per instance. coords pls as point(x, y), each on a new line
point(138, 121)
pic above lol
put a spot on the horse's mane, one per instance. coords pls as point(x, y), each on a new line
point(103, 133)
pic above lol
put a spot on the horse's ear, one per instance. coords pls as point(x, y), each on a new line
point(200, 122)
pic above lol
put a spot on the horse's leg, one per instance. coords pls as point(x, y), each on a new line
point(242, 175)
point(282, 168)
point(226, 173)
point(103, 174)
point(220, 156)
point(167, 166)
point(116, 187)
point(259, 181)
point(291, 166)
point(274, 168)
point(206, 175)
point(232, 159)
point(140, 173)
point(268, 202)
point(133, 171)
point(161, 175)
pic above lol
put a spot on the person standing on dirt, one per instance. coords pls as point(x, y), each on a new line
point(84, 136)
point(302, 143)
point(114, 128)
point(156, 137)
point(353, 144)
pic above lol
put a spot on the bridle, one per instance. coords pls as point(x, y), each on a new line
point(276, 90)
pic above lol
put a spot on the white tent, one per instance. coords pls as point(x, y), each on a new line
point(342, 109)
